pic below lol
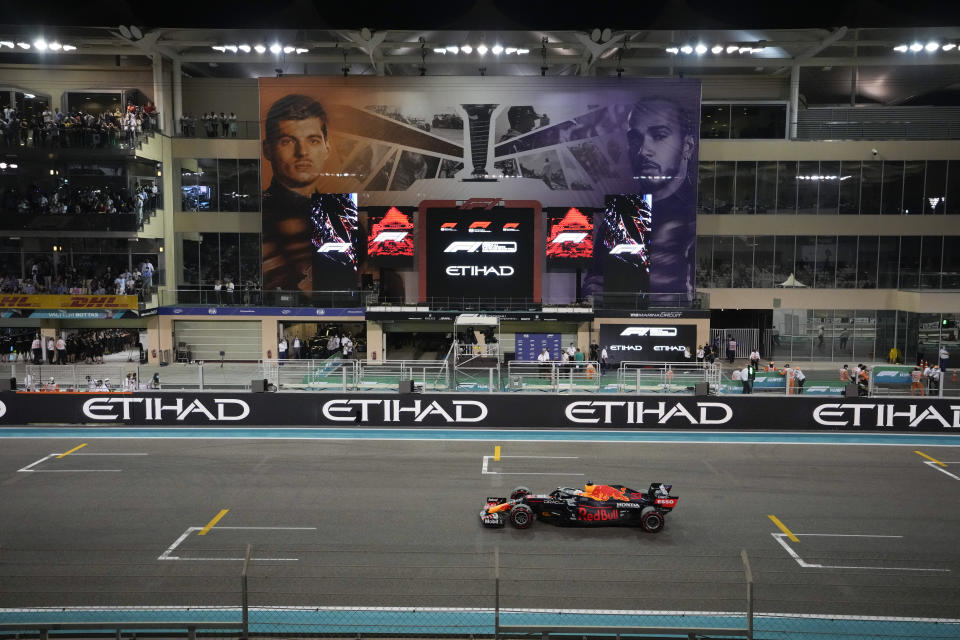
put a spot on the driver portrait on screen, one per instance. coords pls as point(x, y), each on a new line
point(297, 147)
point(660, 143)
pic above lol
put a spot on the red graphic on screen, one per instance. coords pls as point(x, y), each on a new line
point(570, 236)
point(391, 235)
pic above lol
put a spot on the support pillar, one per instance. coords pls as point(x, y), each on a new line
point(177, 95)
point(794, 99)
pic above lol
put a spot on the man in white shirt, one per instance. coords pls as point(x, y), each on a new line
point(147, 272)
point(51, 350)
point(800, 378)
point(297, 348)
point(333, 344)
point(61, 350)
point(282, 348)
point(944, 359)
point(755, 358)
point(788, 375)
point(544, 356)
point(37, 347)
point(571, 350)
point(603, 358)
point(346, 345)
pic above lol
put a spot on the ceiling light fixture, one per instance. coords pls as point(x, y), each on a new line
point(288, 49)
point(440, 50)
point(6, 43)
point(244, 47)
point(55, 46)
point(23, 45)
point(232, 48)
point(732, 48)
point(673, 50)
point(916, 46)
point(716, 49)
point(497, 49)
point(701, 49)
point(902, 48)
point(40, 44)
point(69, 47)
point(522, 52)
point(259, 48)
point(466, 48)
point(301, 50)
point(932, 46)
point(510, 50)
point(275, 48)
point(949, 46)
point(482, 49)
point(453, 49)
point(687, 49)
point(219, 47)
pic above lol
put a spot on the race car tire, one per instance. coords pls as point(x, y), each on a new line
point(651, 520)
point(519, 492)
point(521, 516)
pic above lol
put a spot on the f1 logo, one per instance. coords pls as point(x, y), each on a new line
point(512, 226)
point(481, 247)
point(657, 332)
point(480, 203)
point(479, 226)
point(335, 247)
point(448, 226)
point(391, 236)
point(632, 249)
point(570, 236)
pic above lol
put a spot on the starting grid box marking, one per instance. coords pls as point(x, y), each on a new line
point(30, 467)
point(168, 554)
point(781, 538)
point(486, 462)
point(934, 465)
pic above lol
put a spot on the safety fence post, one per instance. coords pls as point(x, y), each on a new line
point(496, 591)
point(244, 596)
point(200, 374)
point(748, 574)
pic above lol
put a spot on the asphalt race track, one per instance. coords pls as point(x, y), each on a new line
point(141, 522)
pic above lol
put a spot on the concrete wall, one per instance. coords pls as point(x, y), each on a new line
point(240, 95)
point(54, 81)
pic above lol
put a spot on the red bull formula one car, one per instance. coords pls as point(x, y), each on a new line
point(595, 504)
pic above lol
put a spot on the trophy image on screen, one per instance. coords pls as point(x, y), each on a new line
point(478, 116)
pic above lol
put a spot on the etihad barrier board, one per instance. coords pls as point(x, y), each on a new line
point(519, 411)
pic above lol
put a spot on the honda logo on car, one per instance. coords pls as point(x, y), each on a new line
point(655, 332)
point(884, 415)
point(634, 412)
point(491, 246)
point(223, 409)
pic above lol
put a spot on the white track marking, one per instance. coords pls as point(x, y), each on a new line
point(486, 461)
point(166, 555)
point(634, 612)
point(934, 465)
point(29, 469)
point(781, 539)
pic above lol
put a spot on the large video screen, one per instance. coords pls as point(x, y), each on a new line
point(569, 236)
point(480, 253)
point(648, 343)
point(625, 233)
point(310, 243)
point(390, 236)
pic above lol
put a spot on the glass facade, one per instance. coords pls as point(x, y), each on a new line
point(744, 121)
point(208, 257)
point(828, 262)
point(219, 184)
point(873, 187)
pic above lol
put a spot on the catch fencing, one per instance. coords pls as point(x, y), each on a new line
point(285, 589)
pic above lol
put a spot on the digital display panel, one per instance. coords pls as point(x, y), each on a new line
point(480, 253)
point(625, 230)
point(648, 343)
point(390, 236)
point(569, 235)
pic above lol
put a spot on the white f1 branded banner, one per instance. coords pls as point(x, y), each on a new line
point(649, 343)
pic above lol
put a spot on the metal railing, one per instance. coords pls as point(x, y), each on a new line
point(246, 296)
point(554, 376)
point(196, 128)
point(666, 377)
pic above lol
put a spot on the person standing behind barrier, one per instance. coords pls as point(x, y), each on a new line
point(845, 374)
point(51, 350)
point(297, 348)
point(731, 348)
point(944, 358)
point(578, 357)
point(755, 359)
point(916, 381)
point(788, 375)
point(37, 348)
point(603, 359)
point(61, 350)
point(282, 348)
point(800, 378)
point(745, 379)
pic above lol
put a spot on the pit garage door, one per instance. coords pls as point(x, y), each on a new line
point(238, 339)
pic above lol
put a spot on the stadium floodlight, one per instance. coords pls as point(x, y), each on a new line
point(232, 48)
point(301, 50)
point(482, 49)
point(453, 49)
point(949, 46)
point(522, 52)
point(916, 46)
point(716, 49)
point(55, 46)
point(69, 47)
point(732, 48)
point(687, 49)
point(902, 48)
point(497, 49)
point(244, 47)
point(932, 46)
point(466, 48)
point(510, 50)
point(40, 44)
point(288, 49)
point(673, 50)
point(275, 48)
point(7, 43)
point(440, 50)
point(23, 45)
point(259, 48)
point(701, 49)
point(219, 47)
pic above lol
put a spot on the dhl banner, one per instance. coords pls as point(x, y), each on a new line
point(67, 302)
